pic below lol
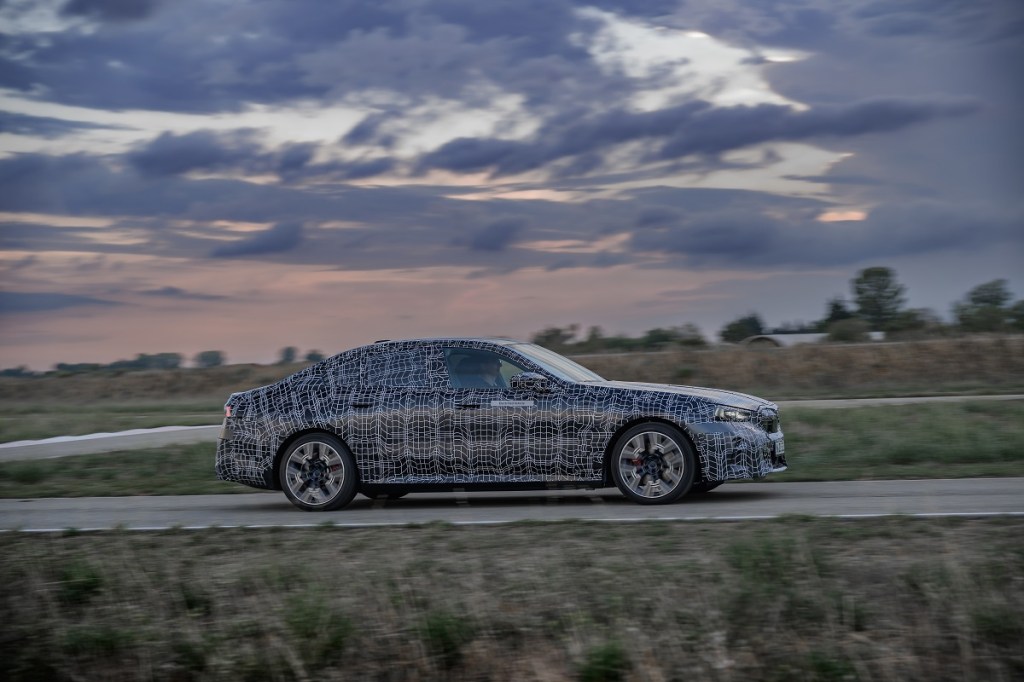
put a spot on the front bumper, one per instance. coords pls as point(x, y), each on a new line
point(735, 450)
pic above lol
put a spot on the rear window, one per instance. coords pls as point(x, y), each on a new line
point(396, 367)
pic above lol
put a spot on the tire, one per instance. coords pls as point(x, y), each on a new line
point(383, 492)
point(653, 463)
point(705, 486)
point(318, 473)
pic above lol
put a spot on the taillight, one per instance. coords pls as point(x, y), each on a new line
point(227, 412)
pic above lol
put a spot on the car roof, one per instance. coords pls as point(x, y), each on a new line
point(497, 340)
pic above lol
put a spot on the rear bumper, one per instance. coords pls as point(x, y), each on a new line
point(243, 460)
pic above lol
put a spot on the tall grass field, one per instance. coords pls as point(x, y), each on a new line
point(795, 599)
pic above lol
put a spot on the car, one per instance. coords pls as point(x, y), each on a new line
point(446, 414)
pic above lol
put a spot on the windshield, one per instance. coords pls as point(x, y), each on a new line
point(561, 367)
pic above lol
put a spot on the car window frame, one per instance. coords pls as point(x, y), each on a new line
point(510, 358)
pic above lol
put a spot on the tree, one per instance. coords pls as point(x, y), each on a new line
point(741, 328)
point(984, 308)
point(849, 330)
point(1017, 316)
point(288, 355)
point(314, 356)
point(209, 358)
point(879, 297)
point(917, 322)
point(555, 338)
point(836, 312)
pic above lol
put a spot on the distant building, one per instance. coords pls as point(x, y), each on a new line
point(787, 340)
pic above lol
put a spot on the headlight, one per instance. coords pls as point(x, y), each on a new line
point(732, 414)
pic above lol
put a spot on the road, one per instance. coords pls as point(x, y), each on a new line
point(137, 439)
point(857, 499)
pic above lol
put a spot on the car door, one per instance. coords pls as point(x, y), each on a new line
point(396, 414)
point(488, 427)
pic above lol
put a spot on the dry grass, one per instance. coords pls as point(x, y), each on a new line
point(895, 599)
point(978, 363)
point(85, 403)
point(964, 365)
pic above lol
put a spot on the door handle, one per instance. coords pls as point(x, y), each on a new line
point(468, 406)
point(361, 403)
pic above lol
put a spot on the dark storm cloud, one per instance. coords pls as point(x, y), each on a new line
point(498, 235)
point(279, 238)
point(43, 126)
point(241, 151)
point(731, 237)
point(282, 50)
point(657, 215)
point(111, 10)
point(33, 301)
point(368, 131)
point(204, 150)
point(181, 294)
point(692, 128)
point(715, 131)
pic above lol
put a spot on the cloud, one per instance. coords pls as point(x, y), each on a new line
point(111, 10)
point(203, 150)
point(175, 292)
point(279, 238)
point(498, 235)
point(756, 239)
point(241, 151)
point(695, 127)
point(33, 301)
point(44, 126)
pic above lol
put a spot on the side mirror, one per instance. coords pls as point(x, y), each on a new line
point(531, 381)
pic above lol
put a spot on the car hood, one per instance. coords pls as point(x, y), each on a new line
point(714, 395)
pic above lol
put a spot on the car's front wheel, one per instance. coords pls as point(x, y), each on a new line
point(653, 464)
point(318, 473)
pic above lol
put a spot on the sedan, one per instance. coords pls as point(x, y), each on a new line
point(486, 414)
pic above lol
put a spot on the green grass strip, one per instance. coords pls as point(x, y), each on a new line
point(949, 440)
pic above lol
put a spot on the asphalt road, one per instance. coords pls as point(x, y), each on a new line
point(858, 499)
point(137, 439)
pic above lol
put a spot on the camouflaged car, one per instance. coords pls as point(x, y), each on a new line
point(486, 414)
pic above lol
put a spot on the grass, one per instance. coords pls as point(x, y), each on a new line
point(949, 440)
point(59, 405)
point(888, 599)
point(32, 421)
point(170, 470)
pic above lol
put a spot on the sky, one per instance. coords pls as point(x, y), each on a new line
point(244, 175)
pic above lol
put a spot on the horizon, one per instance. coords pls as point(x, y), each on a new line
point(243, 176)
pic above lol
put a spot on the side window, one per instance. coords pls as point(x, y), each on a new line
point(396, 367)
point(472, 368)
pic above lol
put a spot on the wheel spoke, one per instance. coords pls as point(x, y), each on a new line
point(651, 464)
point(315, 473)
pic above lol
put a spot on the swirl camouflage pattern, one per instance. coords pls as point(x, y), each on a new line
point(486, 414)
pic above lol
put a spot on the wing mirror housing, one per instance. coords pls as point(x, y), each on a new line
point(531, 381)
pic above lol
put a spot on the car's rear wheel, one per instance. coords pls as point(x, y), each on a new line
point(653, 464)
point(705, 486)
point(318, 473)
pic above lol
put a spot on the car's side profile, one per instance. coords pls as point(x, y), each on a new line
point(486, 414)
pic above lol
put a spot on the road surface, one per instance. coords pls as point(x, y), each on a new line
point(138, 439)
point(959, 497)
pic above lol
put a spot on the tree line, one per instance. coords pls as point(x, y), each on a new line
point(877, 303)
point(146, 361)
